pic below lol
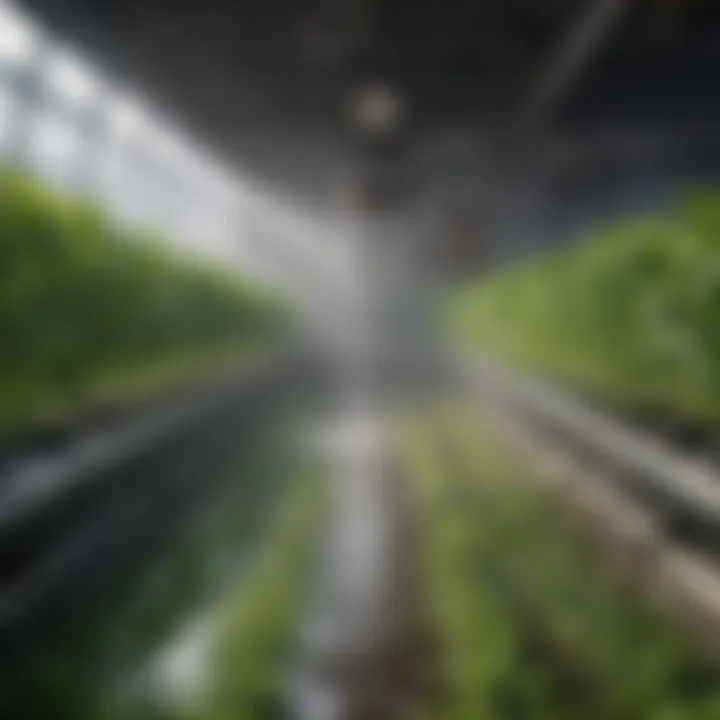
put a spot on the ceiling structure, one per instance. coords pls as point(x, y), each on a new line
point(267, 83)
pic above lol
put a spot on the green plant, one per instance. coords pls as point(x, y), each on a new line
point(630, 315)
point(533, 624)
point(93, 315)
point(262, 622)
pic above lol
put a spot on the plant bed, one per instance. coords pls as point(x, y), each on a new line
point(94, 319)
point(629, 317)
point(100, 661)
point(260, 627)
point(534, 626)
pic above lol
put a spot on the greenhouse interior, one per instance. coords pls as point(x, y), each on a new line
point(359, 360)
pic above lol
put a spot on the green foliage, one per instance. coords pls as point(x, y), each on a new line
point(90, 313)
point(631, 314)
point(262, 624)
point(492, 667)
point(532, 626)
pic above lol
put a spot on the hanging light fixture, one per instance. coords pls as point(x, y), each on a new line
point(377, 110)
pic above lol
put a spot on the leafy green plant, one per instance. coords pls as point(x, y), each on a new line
point(533, 626)
point(93, 315)
point(262, 623)
point(631, 314)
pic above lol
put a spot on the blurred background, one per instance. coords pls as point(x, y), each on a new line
point(359, 359)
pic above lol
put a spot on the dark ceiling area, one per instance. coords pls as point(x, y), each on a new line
point(280, 61)
point(266, 82)
point(247, 74)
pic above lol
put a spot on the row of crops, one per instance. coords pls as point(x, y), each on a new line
point(631, 315)
point(532, 624)
point(260, 628)
point(238, 570)
point(92, 314)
